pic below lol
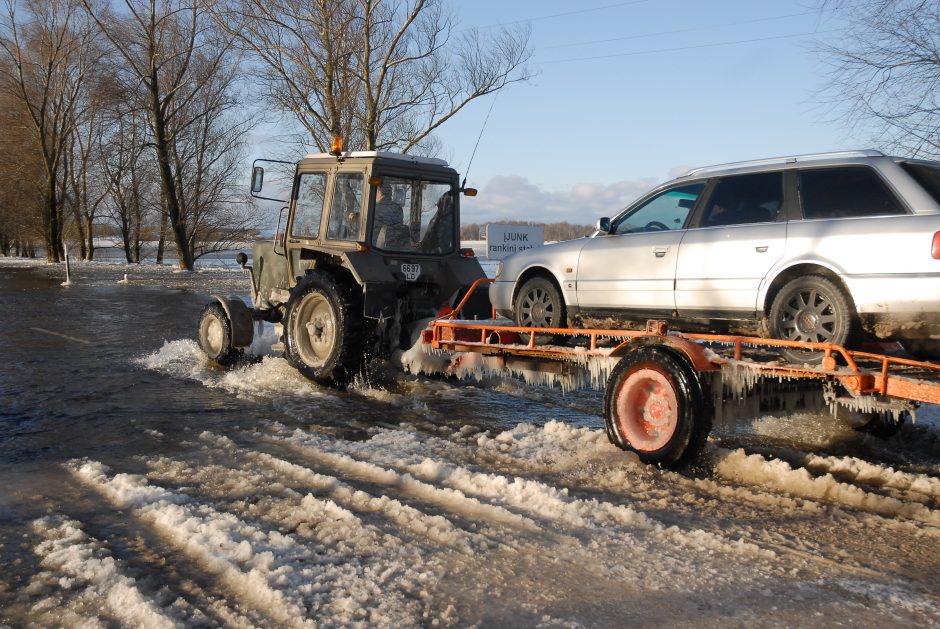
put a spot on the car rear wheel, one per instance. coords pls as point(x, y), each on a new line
point(539, 305)
point(810, 309)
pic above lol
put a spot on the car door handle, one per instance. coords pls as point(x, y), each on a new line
point(761, 248)
point(660, 252)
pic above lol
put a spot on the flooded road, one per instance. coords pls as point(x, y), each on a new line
point(140, 486)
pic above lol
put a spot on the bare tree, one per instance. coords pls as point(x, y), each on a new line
point(887, 70)
point(21, 170)
point(207, 154)
point(380, 73)
point(86, 186)
point(171, 53)
point(49, 53)
point(130, 178)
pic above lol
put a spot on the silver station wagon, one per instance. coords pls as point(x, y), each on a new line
point(827, 248)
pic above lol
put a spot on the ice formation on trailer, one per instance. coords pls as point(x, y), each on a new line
point(661, 387)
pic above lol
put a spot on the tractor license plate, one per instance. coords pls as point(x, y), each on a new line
point(411, 271)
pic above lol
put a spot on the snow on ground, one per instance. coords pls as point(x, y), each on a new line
point(298, 527)
point(410, 501)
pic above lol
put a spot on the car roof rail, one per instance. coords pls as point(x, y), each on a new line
point(789, 159)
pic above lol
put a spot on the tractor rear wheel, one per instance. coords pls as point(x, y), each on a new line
point(324, 330)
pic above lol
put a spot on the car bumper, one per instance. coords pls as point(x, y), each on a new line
point(501, 297)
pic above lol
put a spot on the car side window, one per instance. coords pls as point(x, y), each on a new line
point(845, 192)
point(744, 199)
point(344, 221)
point(311, 191)
point(667, 210)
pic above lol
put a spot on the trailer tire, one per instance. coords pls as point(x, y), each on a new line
point(883, 425)
point(654, 405)
point(324, 330)
point(215, 335)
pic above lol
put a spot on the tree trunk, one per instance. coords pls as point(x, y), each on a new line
point(52, 231)
point(161, 243)
point(183, 250)
point(77, 217)
point(90, 237)
point(126, 238)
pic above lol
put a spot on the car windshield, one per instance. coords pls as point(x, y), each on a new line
point(667, 210)
point(413, 215)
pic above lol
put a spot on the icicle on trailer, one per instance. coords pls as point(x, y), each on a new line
point(657, 399)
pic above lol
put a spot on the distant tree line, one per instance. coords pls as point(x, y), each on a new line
point(130, 115)
point(553, 231)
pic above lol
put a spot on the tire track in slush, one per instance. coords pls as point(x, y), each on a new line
point(87, 569)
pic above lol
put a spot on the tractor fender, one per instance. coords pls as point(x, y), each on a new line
point(240, 316)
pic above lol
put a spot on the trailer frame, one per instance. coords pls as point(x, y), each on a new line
point(666, 370)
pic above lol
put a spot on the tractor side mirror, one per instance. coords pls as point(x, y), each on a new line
point(257, 178)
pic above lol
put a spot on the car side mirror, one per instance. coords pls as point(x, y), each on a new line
point(603, 225)
point(257, 178)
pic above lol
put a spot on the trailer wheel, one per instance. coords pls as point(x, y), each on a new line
point(883, 425)
point(215, 335)
point(324, 331)
point(654, 405)
point(810, 308)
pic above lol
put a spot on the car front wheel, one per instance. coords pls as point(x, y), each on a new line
point(539, 305)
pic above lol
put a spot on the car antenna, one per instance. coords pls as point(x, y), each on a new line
point(472, 155)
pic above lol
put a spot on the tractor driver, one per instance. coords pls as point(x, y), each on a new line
point(387, 212)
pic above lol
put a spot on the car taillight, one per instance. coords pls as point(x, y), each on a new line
point(935, 249)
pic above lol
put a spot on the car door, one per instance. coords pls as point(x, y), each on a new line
point(633, 266)
point(730, 247)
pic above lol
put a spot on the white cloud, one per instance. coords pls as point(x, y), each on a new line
point(515, 198)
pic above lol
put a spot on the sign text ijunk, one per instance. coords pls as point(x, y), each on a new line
point(502, 240)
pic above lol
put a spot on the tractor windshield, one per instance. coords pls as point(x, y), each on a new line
point(413, 215)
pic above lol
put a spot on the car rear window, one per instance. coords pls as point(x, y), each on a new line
point(927, 176)
point(845, 192)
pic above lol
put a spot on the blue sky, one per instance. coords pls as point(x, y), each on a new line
point(626, 94)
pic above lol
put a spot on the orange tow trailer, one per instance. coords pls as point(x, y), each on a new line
point(656, 399)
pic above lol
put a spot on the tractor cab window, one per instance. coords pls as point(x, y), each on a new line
point(412, 215)
point(311, 189)
point(344, 221)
